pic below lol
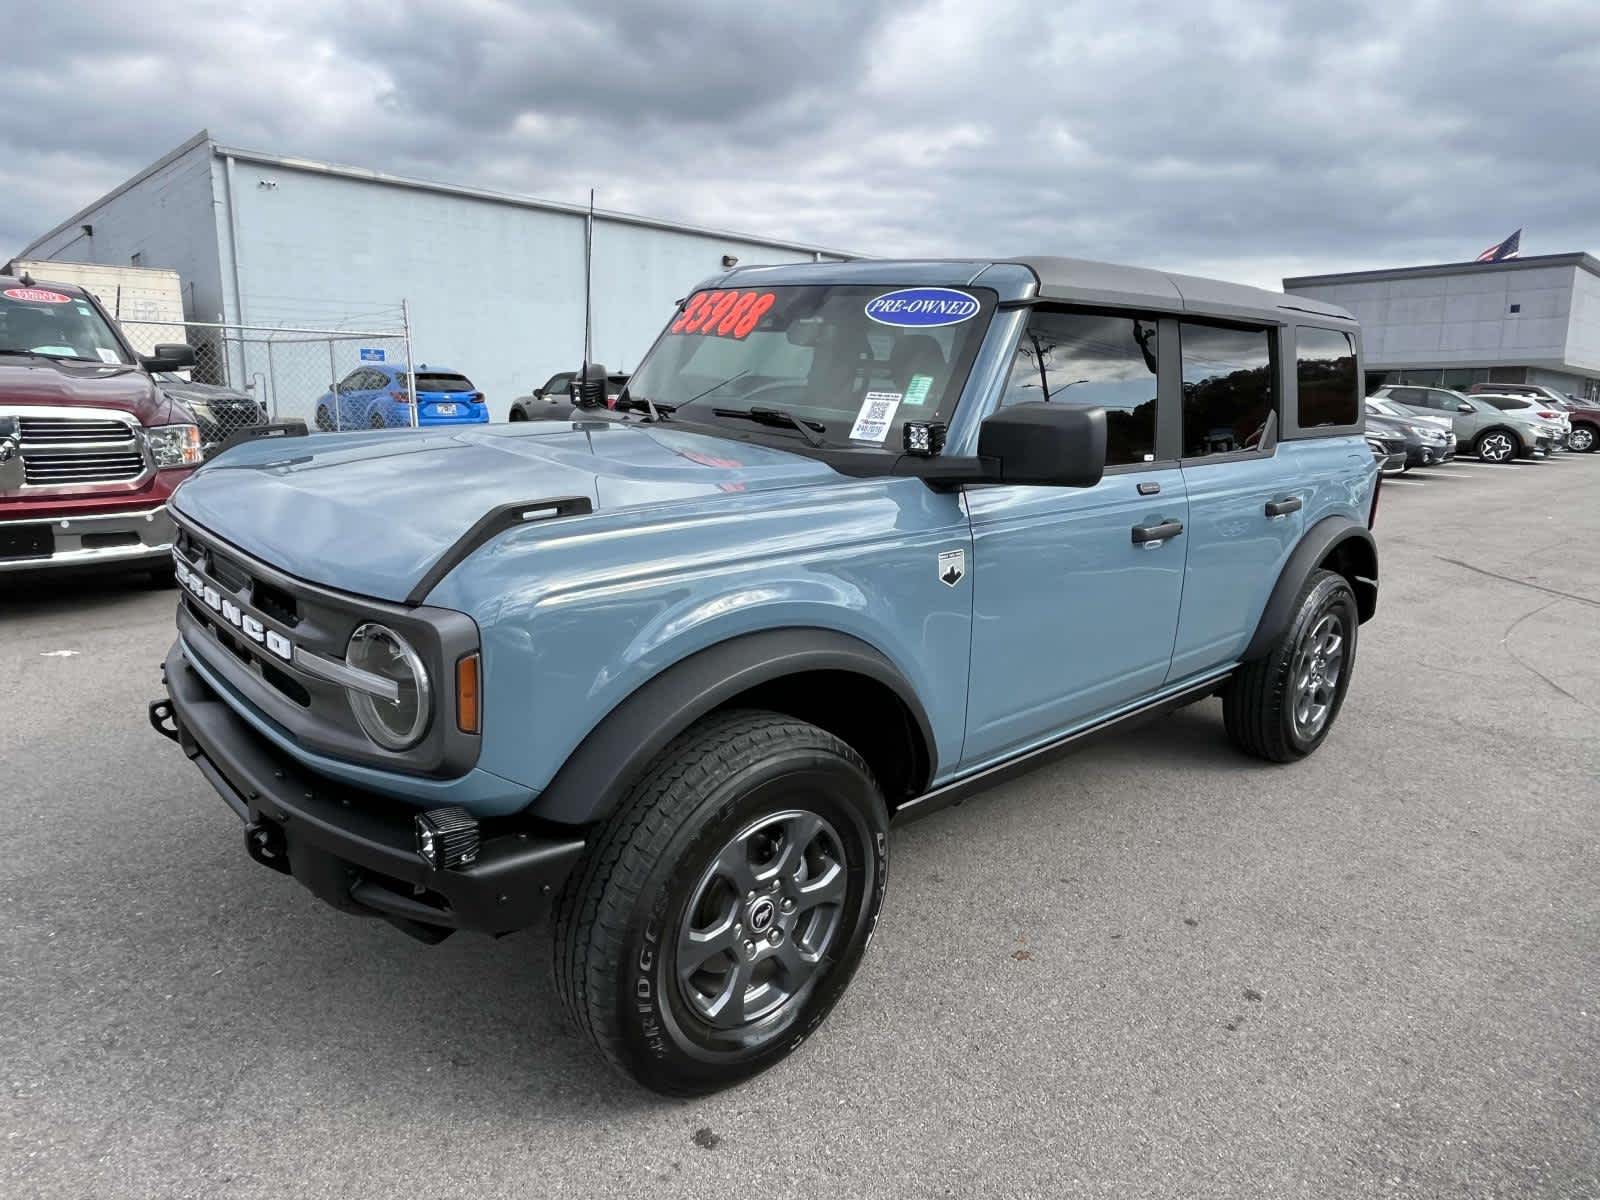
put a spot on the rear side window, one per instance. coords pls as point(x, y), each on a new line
point(1228, 390)
point(1506, 404)
point(1093, 359)
point(1325, 367)
point(438, 382)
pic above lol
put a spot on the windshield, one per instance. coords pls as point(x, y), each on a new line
point(851, 363)
point(40, 320)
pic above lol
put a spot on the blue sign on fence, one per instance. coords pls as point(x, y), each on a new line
point(370, 354)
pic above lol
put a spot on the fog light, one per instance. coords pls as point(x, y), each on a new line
point(447, 837)
point(924, 437)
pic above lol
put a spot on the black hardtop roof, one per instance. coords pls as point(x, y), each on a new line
point(1068, 280)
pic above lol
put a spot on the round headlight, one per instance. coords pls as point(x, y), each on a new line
point(393, 724)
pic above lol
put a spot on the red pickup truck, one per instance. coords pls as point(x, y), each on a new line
point(90, 449)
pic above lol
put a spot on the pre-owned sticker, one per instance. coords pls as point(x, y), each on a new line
point(922, 308)
point(952, 567)
point(37, 295)
point(876, 415)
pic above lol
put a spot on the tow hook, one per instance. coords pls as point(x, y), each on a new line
point(163, 720)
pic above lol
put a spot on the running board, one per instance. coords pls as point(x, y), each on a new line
point(958, 790)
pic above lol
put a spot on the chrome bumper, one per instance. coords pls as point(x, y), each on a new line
point(110, 538)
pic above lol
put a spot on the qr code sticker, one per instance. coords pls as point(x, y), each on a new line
point(876, 415)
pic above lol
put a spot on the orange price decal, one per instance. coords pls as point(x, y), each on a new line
point(723, 313)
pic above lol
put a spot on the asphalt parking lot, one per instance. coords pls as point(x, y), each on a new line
point(1154, 969)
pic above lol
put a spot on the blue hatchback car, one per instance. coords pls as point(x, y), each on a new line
point(859, 540)
point(374, 396)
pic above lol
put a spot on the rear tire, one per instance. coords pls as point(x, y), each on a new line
point(1281, 706)
point(376, 421)
point(685, 979)
point(1582, 439)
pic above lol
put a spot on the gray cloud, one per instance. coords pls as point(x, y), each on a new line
point(1242, 139)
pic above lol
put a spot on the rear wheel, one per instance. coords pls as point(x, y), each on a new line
point(723, 909)
point(376, 421)
point(1281, 706)
point(517, 414)
point(1582, 439)
point(1496, 446)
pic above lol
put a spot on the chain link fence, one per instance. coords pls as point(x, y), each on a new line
point(249, 375)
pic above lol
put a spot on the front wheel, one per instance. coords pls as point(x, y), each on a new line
point(723, 909)
point(1581, 439)
point(1497, 446)
point(1281, 706)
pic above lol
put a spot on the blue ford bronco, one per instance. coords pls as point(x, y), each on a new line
point(859, 540)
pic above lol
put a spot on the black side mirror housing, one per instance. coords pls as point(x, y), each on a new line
point(173, 356)
point(1057, 445)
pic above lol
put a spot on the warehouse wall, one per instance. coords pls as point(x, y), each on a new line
point(1460, 320)
point(1583, 336)
point(167, 216)
point(495, 289)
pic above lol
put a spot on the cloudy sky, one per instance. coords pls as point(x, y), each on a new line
point(1219, 136)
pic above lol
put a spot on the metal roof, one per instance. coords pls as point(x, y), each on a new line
point(1586, 262)
point(368, 175)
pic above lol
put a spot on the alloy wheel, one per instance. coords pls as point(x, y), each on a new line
point(762, 919)
point(1318, 664)
point(1581, 439)
point(1496, 447)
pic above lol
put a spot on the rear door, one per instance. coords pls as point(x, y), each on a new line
point(1076, 590)
point(1245, 504)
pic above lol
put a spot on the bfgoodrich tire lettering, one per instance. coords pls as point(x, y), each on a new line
point(1281, 706)
point(619, 920)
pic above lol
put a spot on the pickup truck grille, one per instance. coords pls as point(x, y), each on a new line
point(81, 466)
point(47, 431)
point(71, 451)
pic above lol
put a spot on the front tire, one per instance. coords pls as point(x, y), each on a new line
point(722, 910)
point(1496, 446)
point(1582, 439)
point(1281, 706)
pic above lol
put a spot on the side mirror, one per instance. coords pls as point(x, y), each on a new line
point(1465, 408)
point(1058, 445)
point(170, 357)
point(538, 393)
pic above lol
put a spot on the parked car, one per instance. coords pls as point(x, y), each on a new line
point(1585, 418)
point(1494, 436)
point(219, 411)
point(1552, 419)
point(554, 398)
point(1427, 442)
point(673, 675)
point(376, 396)
point(90, 449)
point(1388, 448)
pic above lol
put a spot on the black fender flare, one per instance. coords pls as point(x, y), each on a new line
point(1322, 539)
point(596, 775)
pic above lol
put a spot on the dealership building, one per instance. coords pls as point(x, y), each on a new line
point(1523, 320)
point(494, 282)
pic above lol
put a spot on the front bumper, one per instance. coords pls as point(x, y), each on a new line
point(354, 849)
point(130, 538)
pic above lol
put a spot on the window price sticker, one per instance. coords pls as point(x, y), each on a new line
point(876, 415)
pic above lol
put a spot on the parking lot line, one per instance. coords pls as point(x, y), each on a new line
point(1402, 483)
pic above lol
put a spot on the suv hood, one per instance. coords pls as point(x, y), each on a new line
point(85, 385)
point(370, 513)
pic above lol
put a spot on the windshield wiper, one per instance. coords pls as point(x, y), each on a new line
point(626, 401)
point(777, 416)
point(54, 357)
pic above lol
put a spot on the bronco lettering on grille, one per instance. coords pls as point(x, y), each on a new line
point(242, 620)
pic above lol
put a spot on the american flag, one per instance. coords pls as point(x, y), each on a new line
point(1509, 248)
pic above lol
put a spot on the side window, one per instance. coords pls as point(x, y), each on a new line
point(1093, 359)
point(1412, 396)
point(1228, 388)
point(351, 382)
point(1325, 367)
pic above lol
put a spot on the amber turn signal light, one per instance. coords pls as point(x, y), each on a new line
point(467, 694)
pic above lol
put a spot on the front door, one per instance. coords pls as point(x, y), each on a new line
point(1076, 590)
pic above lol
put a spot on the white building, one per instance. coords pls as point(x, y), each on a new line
point(1526, 320)
point(494, 282)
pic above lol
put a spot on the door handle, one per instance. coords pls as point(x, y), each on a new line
point(1282, 508)
point(1143, 534)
